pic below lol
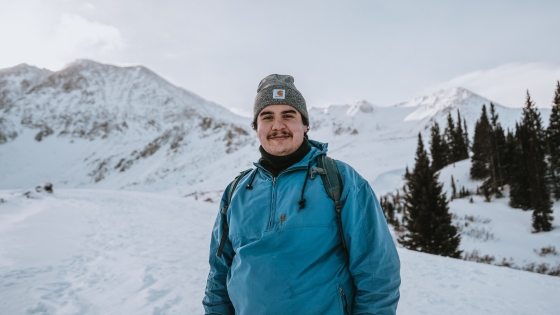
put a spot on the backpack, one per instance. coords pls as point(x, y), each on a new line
point(326, 167)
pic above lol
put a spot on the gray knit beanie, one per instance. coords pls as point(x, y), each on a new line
point(279, 89)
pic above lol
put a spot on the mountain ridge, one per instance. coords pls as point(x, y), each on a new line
point(96, 125)
point(135, 113)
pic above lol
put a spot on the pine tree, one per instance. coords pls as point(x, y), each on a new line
point(461, 148)
point(534, 156)
point(497, 155)
point(488, 150)
point(481, 148)
point(437, 149)
point(466, 136)
point(508, 157)
point(553, 141)
point(388, 209)
point(454, 137)
point(453, 188)
point(407, 174)
point(518, 175)
point(449, 139)
point(426, 215)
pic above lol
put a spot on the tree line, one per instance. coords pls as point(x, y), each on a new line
point(526, 159)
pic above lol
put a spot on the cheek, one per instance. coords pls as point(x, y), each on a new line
point(261, 132)
point(298, 128)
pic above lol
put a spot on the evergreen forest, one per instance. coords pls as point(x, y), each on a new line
point(525, 160)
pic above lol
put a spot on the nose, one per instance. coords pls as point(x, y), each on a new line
point(278, 124)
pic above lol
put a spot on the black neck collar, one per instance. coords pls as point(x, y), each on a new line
point(276, 164)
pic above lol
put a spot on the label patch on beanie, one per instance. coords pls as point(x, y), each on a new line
point(278, 94)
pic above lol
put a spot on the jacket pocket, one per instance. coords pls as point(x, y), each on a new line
point(343, 301)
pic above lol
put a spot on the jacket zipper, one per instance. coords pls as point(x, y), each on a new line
point(274, 179)
point(270, 223)
point(344, 301)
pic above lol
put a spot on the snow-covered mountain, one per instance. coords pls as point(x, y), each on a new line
point(381, 141)
point(119, 127)
point(95, 125)
point(14, 83)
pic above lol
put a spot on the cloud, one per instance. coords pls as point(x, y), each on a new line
point(507, 84)
point(52, 36)
point(87, 6)
point(75, 34)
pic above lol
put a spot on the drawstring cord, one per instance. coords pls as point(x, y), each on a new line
point(317, 170)
point(250, 185)
point(301, 202)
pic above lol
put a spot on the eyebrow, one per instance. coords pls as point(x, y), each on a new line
point(289, 111)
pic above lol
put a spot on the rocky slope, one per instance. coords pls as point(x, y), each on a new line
point(119, 116)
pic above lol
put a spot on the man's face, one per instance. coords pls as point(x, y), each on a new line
point(280, 129)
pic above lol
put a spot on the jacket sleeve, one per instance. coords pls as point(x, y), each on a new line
point(216, 299)
point(374, 262)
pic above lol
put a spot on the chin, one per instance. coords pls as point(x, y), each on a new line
point(280, 150)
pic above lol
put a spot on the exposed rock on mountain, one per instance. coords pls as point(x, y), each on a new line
point(92, 100)
point(131, 109)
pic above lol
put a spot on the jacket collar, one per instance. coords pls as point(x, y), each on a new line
point(317, 148)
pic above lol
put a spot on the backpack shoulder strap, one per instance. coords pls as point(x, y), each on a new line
point(232, 187)
point(333, 186)
point(225, 230)
point(330, 176)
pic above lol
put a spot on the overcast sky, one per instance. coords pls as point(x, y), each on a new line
point(338, 51)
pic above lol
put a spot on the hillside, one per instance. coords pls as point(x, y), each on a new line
point(495, 233)
point(98, 125)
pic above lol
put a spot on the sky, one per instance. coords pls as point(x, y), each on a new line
point(339, 52)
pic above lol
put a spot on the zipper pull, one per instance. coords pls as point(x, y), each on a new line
point(274, 181)
point(341, 292)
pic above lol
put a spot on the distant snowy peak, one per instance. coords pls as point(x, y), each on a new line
point(18, 80)
point(120, 85)
point(119, 126)
point(444, 101)
point(25, 71)
point(362, 106)
point(93, 100)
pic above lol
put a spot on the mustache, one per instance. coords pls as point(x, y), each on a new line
point(279, 133)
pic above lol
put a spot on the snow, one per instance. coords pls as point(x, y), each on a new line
point(100, 252)
point(138, 166)
point(81, 251)
point(126, 128)
point(503, 232)
point(495, 229)
point(436, 285)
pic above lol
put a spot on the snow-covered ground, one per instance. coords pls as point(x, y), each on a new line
point(495, 229)
point(137, 165)
point(493, 232)
point(103, 252)
point(122, 252)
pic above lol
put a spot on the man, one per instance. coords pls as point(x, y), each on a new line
point(283, 253)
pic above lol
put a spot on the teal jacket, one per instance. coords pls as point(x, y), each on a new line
point(280, 259)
